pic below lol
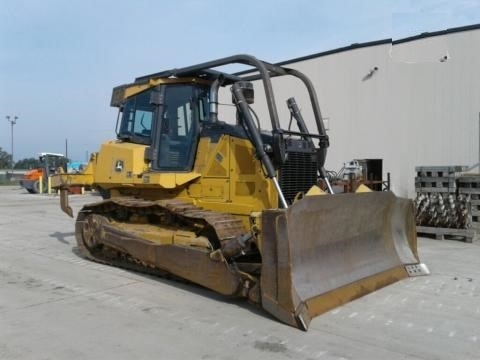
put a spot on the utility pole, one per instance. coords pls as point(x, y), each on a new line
point(12, 122)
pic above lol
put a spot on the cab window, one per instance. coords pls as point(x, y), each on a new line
point(136, 125)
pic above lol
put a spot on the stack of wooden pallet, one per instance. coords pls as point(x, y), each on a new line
point(442, 207)
point(436, 179)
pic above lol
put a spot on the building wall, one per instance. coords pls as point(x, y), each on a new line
point(439, 102)
point(413, 110)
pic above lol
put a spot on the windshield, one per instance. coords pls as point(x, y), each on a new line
point(136, 125)
point(185, 107)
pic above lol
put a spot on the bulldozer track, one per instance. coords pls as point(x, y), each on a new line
point(221, 226)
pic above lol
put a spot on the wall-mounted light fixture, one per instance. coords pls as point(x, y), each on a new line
point(370, 73)
point(326, 123)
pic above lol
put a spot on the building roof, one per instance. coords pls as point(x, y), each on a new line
point(437, 33)
point(381, 42)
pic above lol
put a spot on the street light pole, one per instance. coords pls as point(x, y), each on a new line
point(12, 122)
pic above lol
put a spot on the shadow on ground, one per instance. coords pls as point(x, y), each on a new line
point(62, 237)
point(173, 281)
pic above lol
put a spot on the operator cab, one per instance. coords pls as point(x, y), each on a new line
point(164, 111)
point(52, 161)
point(167, 118)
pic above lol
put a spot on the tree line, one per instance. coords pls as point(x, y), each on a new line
point(27, 163)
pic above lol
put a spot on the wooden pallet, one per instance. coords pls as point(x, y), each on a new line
point(469, 178)
point(473, 190)
point(439, 171)
point(445, 233)
point(435, 182)
point(426, 189)
point(469, 184)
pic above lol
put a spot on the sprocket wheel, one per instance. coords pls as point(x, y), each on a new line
point(92, 231)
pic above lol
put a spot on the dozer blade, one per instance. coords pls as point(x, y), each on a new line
point(327, 250)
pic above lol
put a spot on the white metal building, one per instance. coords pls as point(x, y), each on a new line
point(410, 102)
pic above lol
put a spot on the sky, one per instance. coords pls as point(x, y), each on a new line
point(59, 60)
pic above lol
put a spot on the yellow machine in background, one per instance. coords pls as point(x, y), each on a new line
point(232, 207)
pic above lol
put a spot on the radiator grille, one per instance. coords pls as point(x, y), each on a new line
point(297, 174)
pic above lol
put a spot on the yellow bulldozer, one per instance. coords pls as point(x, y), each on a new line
point(231, 207)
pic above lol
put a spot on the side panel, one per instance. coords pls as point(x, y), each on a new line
point(120, 163)
point(232, 178)
point(248, 182)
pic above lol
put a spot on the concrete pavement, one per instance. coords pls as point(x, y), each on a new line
point(56, 305)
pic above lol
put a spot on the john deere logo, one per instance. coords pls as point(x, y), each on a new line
point(119, 166)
